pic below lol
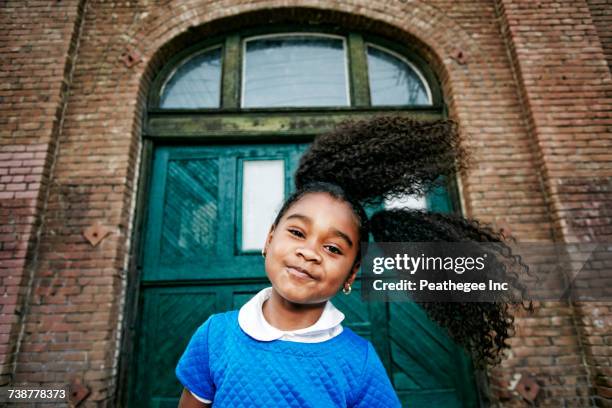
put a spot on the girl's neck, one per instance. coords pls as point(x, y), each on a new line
point(285, 315)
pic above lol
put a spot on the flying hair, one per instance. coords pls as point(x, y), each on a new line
point(483, 328)
point(392, 156)
point(384, 157)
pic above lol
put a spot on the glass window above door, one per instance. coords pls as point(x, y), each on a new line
point(295, 70)
point(299, 70)
point(196, 83)
point(395, 81)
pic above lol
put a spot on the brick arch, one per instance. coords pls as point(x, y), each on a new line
point(444, 44)
point(436, 36)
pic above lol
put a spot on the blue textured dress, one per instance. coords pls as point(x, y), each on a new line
point(225, 365)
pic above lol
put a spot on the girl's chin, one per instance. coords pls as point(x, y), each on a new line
point(299, 294)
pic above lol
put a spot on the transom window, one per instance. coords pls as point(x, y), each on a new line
point(394, 80)
point(195, 83)
point(297, 69)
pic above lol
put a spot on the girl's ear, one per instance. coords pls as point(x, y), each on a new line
point(353, 275)
point(269, 237)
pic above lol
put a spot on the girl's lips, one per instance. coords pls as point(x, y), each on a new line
point(299, 273)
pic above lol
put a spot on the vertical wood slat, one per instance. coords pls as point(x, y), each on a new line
point(358, 69)
point(151, 261)
point(129, 359)
point(232, 71)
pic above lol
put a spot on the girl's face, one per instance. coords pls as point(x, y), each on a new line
point(311, 252)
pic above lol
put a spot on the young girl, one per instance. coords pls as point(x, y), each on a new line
point(287, 347)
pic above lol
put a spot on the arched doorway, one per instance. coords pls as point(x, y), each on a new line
point(228, 120)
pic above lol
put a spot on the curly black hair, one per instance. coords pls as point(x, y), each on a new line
point(384, 157)
point(391, 156)
point(481, 327)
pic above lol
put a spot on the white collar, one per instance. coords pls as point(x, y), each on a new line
point(253, 323)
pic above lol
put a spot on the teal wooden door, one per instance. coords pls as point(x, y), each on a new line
point(196, 263)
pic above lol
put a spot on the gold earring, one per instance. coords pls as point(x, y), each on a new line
point(263, 252)
point(347, 291)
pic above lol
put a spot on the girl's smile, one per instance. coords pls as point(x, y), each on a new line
point(300, 273)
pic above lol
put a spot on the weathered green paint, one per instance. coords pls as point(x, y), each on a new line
point(360, 87)
point(432, 370)
point(439, 200)
point(127, 357)
point(245, 124)
point(226, 259)
point(231, 72)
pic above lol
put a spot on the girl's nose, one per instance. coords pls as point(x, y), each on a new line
point(308, 254)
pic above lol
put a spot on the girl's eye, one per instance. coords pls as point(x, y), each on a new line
point(296, 233)
point(334, 250)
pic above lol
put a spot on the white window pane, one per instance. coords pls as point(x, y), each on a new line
point(195, 84)
point(394, 81)
point(263, 191)
point(413, 202)
point(295, 70)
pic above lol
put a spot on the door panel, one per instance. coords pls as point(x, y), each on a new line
point(194, 229)
point(194, 265)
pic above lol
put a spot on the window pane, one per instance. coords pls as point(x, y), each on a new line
point(407, 201)
point(263, 191)
point(194, 84)
point(394, 81)
point(295, 70)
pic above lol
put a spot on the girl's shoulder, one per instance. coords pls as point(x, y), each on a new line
point(226, 317)
point(354, 341)
point(221, 322)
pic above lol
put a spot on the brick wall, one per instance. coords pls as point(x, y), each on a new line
point(565, 92)
point(38, 41)
point(536, 121)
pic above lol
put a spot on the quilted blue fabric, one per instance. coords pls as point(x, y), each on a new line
point(223, 364)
